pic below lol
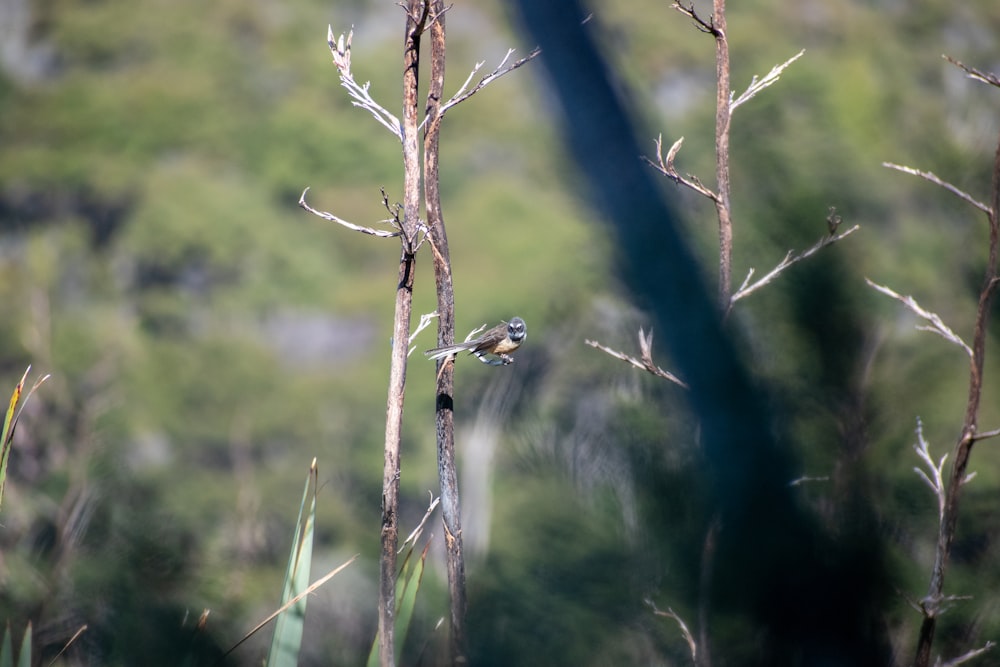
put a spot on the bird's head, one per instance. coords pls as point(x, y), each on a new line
point(516, 329)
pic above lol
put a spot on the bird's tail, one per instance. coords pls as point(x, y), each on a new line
point(448, 350)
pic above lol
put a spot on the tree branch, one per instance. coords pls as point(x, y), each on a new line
point(790, 259)
point(667, 168)
point(465, 93)
point(646, 364)
point(930, 176)
point(341, 50)
point(963, 448)
point(937, 325)
point(350, 225)
point(985, 77)
point(758, 85)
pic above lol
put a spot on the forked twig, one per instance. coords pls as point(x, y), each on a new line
point(757, 85)
point(979, 75)
point(666, 167)
point(464, 92)
point(937, 325)
point(965, 657)
point(360, 96)
point(646, 363)
point(748, 288)
point(670, 613)
point(350, 225)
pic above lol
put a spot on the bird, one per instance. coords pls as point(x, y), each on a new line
point(501, 340)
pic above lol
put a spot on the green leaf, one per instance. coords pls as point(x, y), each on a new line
point(287, 640)
point(7, 649)
point(8, 434)
point(24, 657)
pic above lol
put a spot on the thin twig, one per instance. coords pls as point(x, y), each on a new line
point(965, 657)
point(340, 221)
point(425, 321)
point(646, 363)
point(935, 480)
point(464, 92)
point(748, 288)
point(670, 613)
point(700, 23)
point(933, 178)
point(312, 587)
point(985, 77)
point(666, 167)
point(937, 325)
point(341, 50)
point(415, 533)
point(757, 85)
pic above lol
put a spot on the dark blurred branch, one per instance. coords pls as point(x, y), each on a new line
point(773, 563)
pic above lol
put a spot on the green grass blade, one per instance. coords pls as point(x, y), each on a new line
point(288, 628)
point(404, 608)
point(7, 649)
point(24, 657)
point(8, 434)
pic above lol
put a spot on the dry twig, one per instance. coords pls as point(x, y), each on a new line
point(930, 176)
point(646, 364)
point(979, 75)
point(757, 85)
point(350, 225)
point(748, 288)
point(464, 92)
point(937, 325)
point(670, 613)
point(360, 97)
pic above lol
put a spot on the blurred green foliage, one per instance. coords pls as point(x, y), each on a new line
point(207, 338)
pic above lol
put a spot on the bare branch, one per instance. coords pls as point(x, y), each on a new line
point(748, 288)
point(933, 178)
point(666, 167)
point(985, 77)
point(700, 23)
point(965, 657)
point(465, 92)
point(985, 435)
point(937, 325)
point(757, 85)
point(935, 479)
point(341, 50)
point(340, 221)
point(646, 363)
point(425, 321)
point(670, 613)
point(415, 533)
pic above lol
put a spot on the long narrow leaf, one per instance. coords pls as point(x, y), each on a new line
point(288, 629)
point(8, 432)
point(404, 609)
point(7, 649)
point(24, 657)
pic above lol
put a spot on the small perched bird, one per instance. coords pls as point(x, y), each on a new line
point(501, 340)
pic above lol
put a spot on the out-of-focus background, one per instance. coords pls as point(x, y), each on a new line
point(207, 338)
